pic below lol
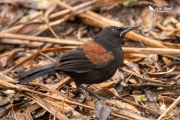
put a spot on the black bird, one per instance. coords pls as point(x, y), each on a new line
point(92, 62)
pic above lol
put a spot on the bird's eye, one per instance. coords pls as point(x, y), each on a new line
point(116, 32)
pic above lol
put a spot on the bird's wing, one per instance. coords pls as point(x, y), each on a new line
point(96, 54)
point(85, 58)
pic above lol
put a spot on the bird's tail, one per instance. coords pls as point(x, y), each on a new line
point(28, 76)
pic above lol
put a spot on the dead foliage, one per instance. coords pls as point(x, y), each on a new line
point(34, 33)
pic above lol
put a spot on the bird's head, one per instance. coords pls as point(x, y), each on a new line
point(113, 35)
point(121, 31)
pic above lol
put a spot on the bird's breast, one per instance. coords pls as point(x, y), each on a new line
point(119, 56)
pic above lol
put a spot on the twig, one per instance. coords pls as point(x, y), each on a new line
point(147, 84)
point(124, 116)
point(135, 104)
point(170, 108)
point(55, 86)
point(17, 27)
point(48, 107)
point(39, 39)
point(161, 51)
point(63, 4)
point(142, 77)
point(46, 18)
point(75, 9)
point(7, 79)
point(128, 115)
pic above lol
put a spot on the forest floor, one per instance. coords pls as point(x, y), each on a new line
point(34, 33)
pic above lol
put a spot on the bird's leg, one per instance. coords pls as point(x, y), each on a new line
point(90, 92)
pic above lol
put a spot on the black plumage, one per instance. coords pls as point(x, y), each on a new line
point(93, 62)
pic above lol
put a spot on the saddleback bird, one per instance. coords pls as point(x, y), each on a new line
point(92, 62)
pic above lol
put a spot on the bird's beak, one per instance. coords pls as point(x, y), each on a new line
point(126, 30)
